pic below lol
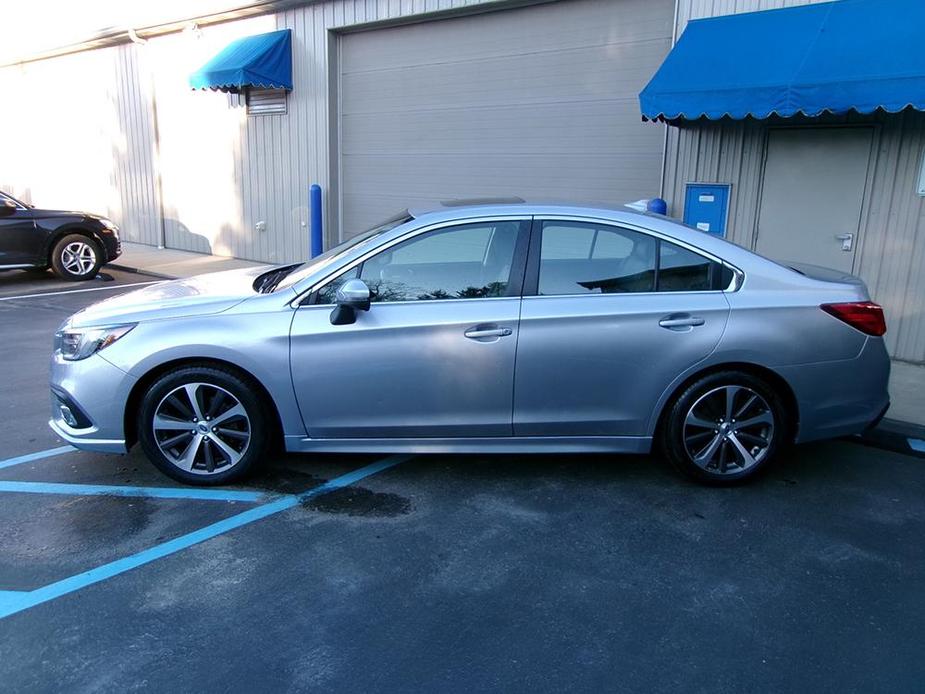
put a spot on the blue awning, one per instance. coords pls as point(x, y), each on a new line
point(264, 60)
point(849, 55)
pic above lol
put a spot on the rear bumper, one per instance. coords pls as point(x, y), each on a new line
point(841, 398)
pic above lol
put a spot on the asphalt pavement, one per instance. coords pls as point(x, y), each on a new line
point(442, 573)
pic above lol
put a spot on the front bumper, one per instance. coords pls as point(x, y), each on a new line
point(79, 438)
point(97, 392)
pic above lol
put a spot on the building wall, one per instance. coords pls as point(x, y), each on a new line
point(87, 140)
point(891, 251)
point(79, 135)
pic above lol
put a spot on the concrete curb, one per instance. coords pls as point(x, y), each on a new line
point(900, 437)
point(140, 271)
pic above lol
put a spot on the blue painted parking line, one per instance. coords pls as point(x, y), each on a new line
point(121, 490)
point(28, 458)
point(12, 602)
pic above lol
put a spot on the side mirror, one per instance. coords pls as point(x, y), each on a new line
point(351, 296)
point(7, 208)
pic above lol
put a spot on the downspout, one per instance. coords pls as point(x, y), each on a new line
point(674, 37)
point(158, 186)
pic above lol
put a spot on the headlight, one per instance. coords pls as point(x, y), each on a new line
point(107, 224)
point(79, 343)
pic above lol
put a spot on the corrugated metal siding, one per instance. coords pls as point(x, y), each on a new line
point(538, 101)
point(88, 134)
point(891, 251)
point(697, 9)
point(81, 137)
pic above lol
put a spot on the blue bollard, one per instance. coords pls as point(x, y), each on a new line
point(317, 234)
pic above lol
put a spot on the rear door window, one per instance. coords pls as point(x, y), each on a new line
point(587, 258)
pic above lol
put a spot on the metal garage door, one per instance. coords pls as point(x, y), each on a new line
point(539, 101)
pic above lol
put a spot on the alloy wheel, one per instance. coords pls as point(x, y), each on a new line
point(201, 428)
point(728, 429)
point(78, 258)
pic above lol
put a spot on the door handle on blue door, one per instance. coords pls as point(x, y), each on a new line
point(480, 331)
point(679, 321)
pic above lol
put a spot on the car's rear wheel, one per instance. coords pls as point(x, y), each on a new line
point(724, 428)
point(76, 257)
point(203, 425)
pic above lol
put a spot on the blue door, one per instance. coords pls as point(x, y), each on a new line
point(705, 206)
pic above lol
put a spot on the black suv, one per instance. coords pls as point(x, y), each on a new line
point(74, 244)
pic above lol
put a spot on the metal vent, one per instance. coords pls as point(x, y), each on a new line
point(264, 102)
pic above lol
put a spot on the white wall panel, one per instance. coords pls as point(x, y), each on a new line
point(537, 101)
point(79, 135)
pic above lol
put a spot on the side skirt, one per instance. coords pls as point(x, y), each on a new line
point(512, 444)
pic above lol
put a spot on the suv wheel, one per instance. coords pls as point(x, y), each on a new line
point(724, 428)
point(203, 425)
point(76, 257)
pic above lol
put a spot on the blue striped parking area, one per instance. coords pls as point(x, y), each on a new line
point(29, 457)
point(119, 490)
point(12, 602)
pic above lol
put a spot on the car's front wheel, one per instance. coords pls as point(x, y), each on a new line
point(76, 257)
point(724, 428)
point(203, 425)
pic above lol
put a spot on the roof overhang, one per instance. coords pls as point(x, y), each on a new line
point(263, 61)
point(832, 57)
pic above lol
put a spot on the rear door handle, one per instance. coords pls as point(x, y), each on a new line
point(680, 321)
point(480, 332)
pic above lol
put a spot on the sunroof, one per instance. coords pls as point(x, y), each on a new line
point(463, 202)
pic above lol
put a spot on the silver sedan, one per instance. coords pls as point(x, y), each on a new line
point(486, 328)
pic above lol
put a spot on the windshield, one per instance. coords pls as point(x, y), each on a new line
point(332, 255)
point(10, 197)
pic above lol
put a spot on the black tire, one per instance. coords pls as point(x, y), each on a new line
point(85, 267)
point(706, 402)
point(212, 447)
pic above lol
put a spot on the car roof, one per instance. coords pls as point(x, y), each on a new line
point(611, 212)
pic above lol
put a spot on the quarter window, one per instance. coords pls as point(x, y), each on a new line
point(328, 293)
point(681, 270)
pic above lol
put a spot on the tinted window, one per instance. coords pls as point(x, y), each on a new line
point(583, 258)
point(328, 293)
point(681, 270)
point(464, 262)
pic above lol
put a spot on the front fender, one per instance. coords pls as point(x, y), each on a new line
point(258, 343)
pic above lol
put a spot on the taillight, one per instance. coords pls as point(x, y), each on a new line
point(866, 316)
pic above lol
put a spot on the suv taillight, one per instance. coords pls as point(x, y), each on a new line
point(866, 316)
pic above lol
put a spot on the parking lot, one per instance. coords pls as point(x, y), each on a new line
point(442, 573)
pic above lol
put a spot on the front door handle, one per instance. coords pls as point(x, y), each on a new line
point(680, 321)
point(484, 331)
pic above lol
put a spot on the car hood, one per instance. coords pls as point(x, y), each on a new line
point(193, 296)
point(37, 212)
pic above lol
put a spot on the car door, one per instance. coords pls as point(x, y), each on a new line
point(610, 317)
point(19, 242)
point(434, 354)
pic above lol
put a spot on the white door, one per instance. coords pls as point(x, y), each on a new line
point(539, 102)
point(814, 181)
